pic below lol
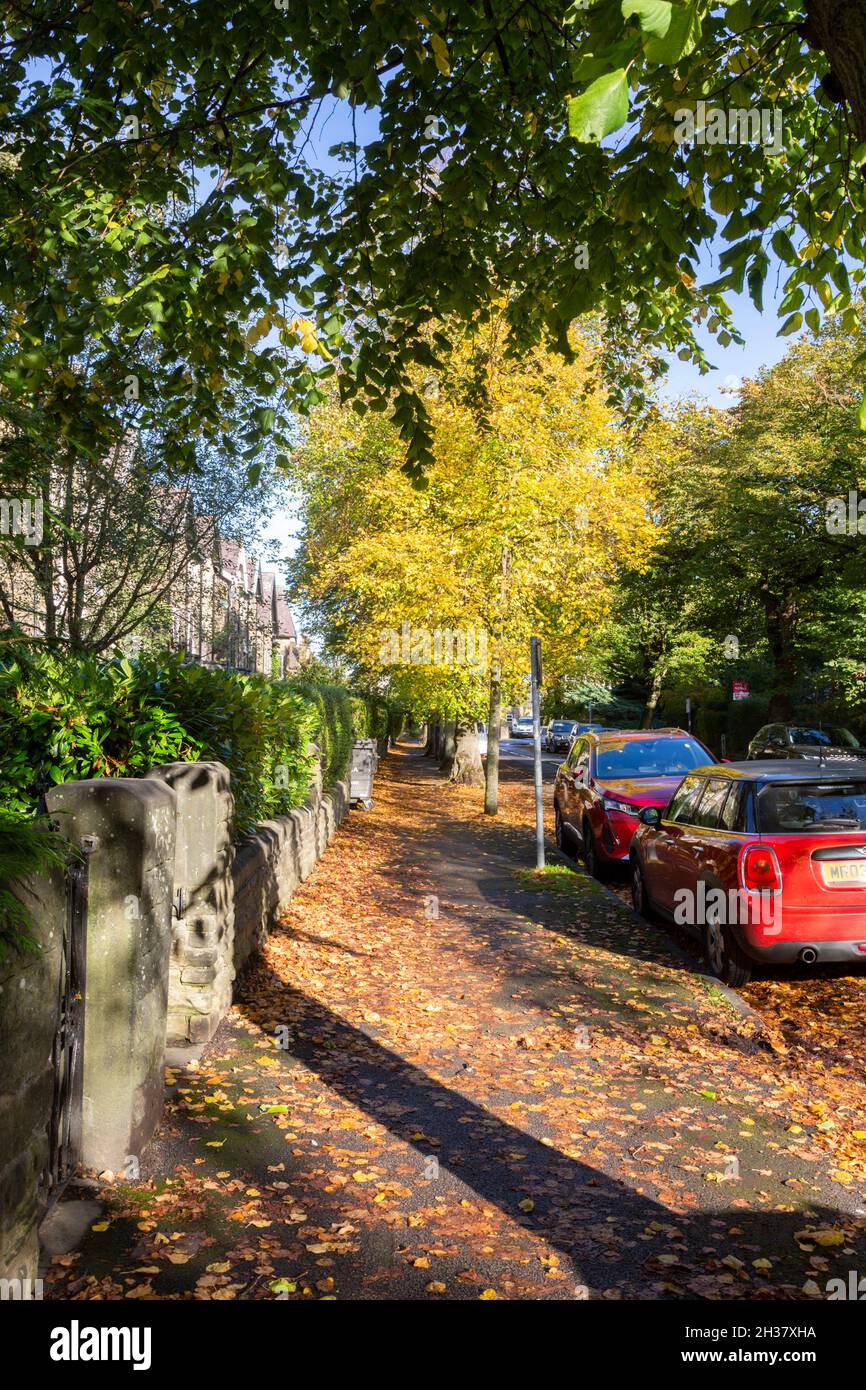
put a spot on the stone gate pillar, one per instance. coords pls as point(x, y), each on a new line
point(127, 827)
point(202, 948)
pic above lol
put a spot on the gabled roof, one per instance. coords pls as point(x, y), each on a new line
point(283, 622)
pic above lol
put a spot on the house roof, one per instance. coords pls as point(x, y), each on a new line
point(283, 622)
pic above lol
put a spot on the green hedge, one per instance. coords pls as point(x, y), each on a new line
point(63, 719)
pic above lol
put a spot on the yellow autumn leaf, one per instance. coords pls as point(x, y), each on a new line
point(440, 54)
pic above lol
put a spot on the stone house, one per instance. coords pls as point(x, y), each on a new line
point(222, 608)
point(228, 611)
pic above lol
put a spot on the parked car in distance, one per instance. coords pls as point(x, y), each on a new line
point(482, 738)
point(559, 734)
point(587, 728)
point(804, 741)
point(763, 860)
point(522, 728)
point(607, 779)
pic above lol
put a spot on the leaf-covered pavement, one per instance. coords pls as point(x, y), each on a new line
point(444, 1079)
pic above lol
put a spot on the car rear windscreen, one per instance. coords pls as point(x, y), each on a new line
point(816, 808)
point(650, 757)
point(831, 736)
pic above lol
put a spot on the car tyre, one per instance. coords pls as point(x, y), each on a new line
point(639, 899)
point(558, 827)
point(722, 952)
point(590, 853)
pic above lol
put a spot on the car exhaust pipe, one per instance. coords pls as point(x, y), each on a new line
point(808, 955)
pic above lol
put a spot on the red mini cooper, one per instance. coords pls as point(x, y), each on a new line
point(606, 780)
point(765, 861)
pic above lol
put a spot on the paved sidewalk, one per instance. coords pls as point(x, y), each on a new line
point(487, 1089)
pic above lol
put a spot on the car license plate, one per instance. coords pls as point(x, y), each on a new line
point(844, 871)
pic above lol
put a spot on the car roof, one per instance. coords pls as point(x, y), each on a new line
point(617, 735)
point(788, 770)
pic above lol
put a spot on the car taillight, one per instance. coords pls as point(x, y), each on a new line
point(759, 870)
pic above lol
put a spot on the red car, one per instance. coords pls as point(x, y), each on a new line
point(765, 861)
point(608, 778)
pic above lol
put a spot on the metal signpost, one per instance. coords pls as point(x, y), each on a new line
point(537, 680)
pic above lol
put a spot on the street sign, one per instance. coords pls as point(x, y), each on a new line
point(535, 661)
point(740, 690)
point(537, 672)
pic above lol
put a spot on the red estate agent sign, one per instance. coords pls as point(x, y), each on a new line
point(740, 690)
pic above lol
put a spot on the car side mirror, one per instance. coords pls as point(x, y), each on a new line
point(649, 815)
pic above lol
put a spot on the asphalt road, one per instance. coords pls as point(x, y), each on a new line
point(519, 750)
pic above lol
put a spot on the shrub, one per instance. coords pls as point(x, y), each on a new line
point(63, 719)
point(26, 847)
point(260, 728)
point(334, 727)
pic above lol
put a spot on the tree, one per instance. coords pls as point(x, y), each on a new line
point(113, 539)
point(746, 500)
point(167, 227)
point(531, 505)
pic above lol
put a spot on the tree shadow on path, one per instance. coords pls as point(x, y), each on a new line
point(610, 1233)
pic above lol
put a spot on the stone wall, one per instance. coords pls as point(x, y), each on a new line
point(232, 895)
point(29, 1010)
point(159, 964)
point(270, 864)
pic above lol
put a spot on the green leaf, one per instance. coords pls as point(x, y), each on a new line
point(791, 325)
point(680, 39)
point(654, 15)
point(601, 109)
point(861, 413)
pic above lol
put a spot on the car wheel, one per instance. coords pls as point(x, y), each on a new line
point(639, 899)
point(590, 853)
point(724, 958)
point(558, 827)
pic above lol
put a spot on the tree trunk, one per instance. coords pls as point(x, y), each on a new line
point(430, 750)
point(838, 29)
point(448, 745)
point(494, 724)
point(653, 698)
point(465, 764)
point(494, 712)
point(781, 615)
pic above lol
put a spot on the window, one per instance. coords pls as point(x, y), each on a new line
point(734, 810)
point(685, 800)
point(650, 757)
point(712, 804)
point(577, 748)
point(811, 807)
point(831, 736)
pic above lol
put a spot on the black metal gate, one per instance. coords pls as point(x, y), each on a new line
point(64, 1132)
